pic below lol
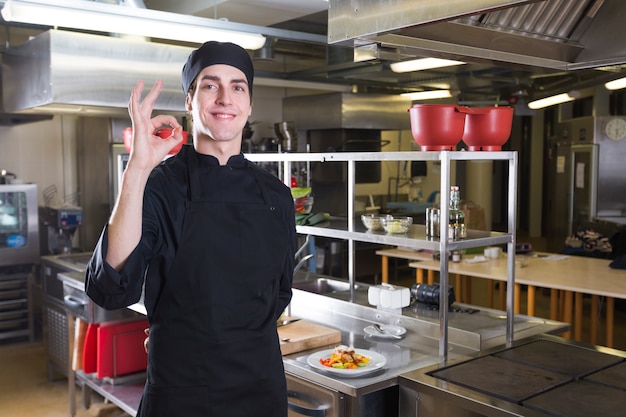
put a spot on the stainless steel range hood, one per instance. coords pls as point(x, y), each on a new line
point(61, 72)
point(555, 34)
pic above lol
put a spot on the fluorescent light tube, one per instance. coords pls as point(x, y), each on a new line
point(551, 101)
point(616, 84)
point(423, 64)
point(110, 18)
point(427, 95)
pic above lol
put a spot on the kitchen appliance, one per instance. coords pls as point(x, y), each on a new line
point(19, 239)
point(57, 228)
point(19, 255)
point(544, 376)
point(584, 178)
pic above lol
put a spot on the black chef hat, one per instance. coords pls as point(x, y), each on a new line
point(211, 53)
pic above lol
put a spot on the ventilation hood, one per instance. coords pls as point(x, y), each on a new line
point(348, 111)
point(60, 72)
point(555, 34)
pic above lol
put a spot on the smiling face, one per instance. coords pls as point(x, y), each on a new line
point(220, 104)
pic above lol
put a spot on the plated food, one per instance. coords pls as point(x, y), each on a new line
point(346, 362)
point(344, 357)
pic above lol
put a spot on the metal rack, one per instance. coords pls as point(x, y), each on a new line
point(352, 231)
point(16, 315)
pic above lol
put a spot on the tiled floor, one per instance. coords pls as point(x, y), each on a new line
point(25, 390)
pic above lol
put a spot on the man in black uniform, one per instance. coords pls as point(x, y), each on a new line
point(212, 238)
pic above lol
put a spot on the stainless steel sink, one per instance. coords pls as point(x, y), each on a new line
point(323, 286)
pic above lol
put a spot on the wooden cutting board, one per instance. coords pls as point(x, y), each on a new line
point(304, 335)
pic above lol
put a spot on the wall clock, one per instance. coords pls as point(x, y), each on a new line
point(615, 129)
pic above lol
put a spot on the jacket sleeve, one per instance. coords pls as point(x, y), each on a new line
point(287, 278)
point(109, 288)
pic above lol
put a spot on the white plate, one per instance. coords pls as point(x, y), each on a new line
point(393, 330)
point(376, 362)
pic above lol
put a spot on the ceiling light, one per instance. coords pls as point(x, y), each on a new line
point(616, 84)
point(110, 18)
point(428, 95)
point(423, 64)
point(553, 100)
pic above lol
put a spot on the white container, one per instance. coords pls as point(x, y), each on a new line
point(388, 297)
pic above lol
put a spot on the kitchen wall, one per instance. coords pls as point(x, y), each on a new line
point(43, 153)
point(46, 152)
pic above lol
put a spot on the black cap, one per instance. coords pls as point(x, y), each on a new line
point(212, 53)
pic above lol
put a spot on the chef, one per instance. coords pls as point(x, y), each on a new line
point(211, 236)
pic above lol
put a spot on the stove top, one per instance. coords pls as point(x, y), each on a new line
point(556, 378)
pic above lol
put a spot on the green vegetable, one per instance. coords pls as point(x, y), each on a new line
point(300, 192)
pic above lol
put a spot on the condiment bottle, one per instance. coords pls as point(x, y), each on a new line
point(456, 228)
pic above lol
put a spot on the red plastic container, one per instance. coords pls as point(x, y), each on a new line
point(164, 132)
point(488, 128)
point(437, 127)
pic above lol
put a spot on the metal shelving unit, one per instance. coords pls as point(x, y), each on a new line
point(351, 230)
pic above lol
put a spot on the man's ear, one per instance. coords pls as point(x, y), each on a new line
point(188, 106)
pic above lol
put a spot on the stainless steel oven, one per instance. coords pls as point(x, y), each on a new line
point(307, 398)
point(19, 228)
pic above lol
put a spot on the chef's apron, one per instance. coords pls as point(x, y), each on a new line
point(214, 350)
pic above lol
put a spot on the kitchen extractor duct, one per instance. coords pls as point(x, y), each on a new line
point(554, 34)
point(61, 72)
point(348, 111)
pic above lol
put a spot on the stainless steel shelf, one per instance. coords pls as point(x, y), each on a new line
point(415, 238)
point(350, 229)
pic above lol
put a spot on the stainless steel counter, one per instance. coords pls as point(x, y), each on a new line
point(539, 376)
point(468, 334)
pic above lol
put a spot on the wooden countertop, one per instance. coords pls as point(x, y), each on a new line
point(570, 273)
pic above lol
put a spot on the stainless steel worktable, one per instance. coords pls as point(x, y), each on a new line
point(468, 335)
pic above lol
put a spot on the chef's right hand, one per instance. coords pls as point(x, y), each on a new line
point(148, 149)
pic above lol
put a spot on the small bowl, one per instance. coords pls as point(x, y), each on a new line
point(397, 224)
point(372, 221)
point(303, 204)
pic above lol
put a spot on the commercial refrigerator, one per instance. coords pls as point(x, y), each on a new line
point(585, 185)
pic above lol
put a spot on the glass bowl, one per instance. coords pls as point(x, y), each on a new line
point(396, 224)
point(303, 205)
point(372, 221)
